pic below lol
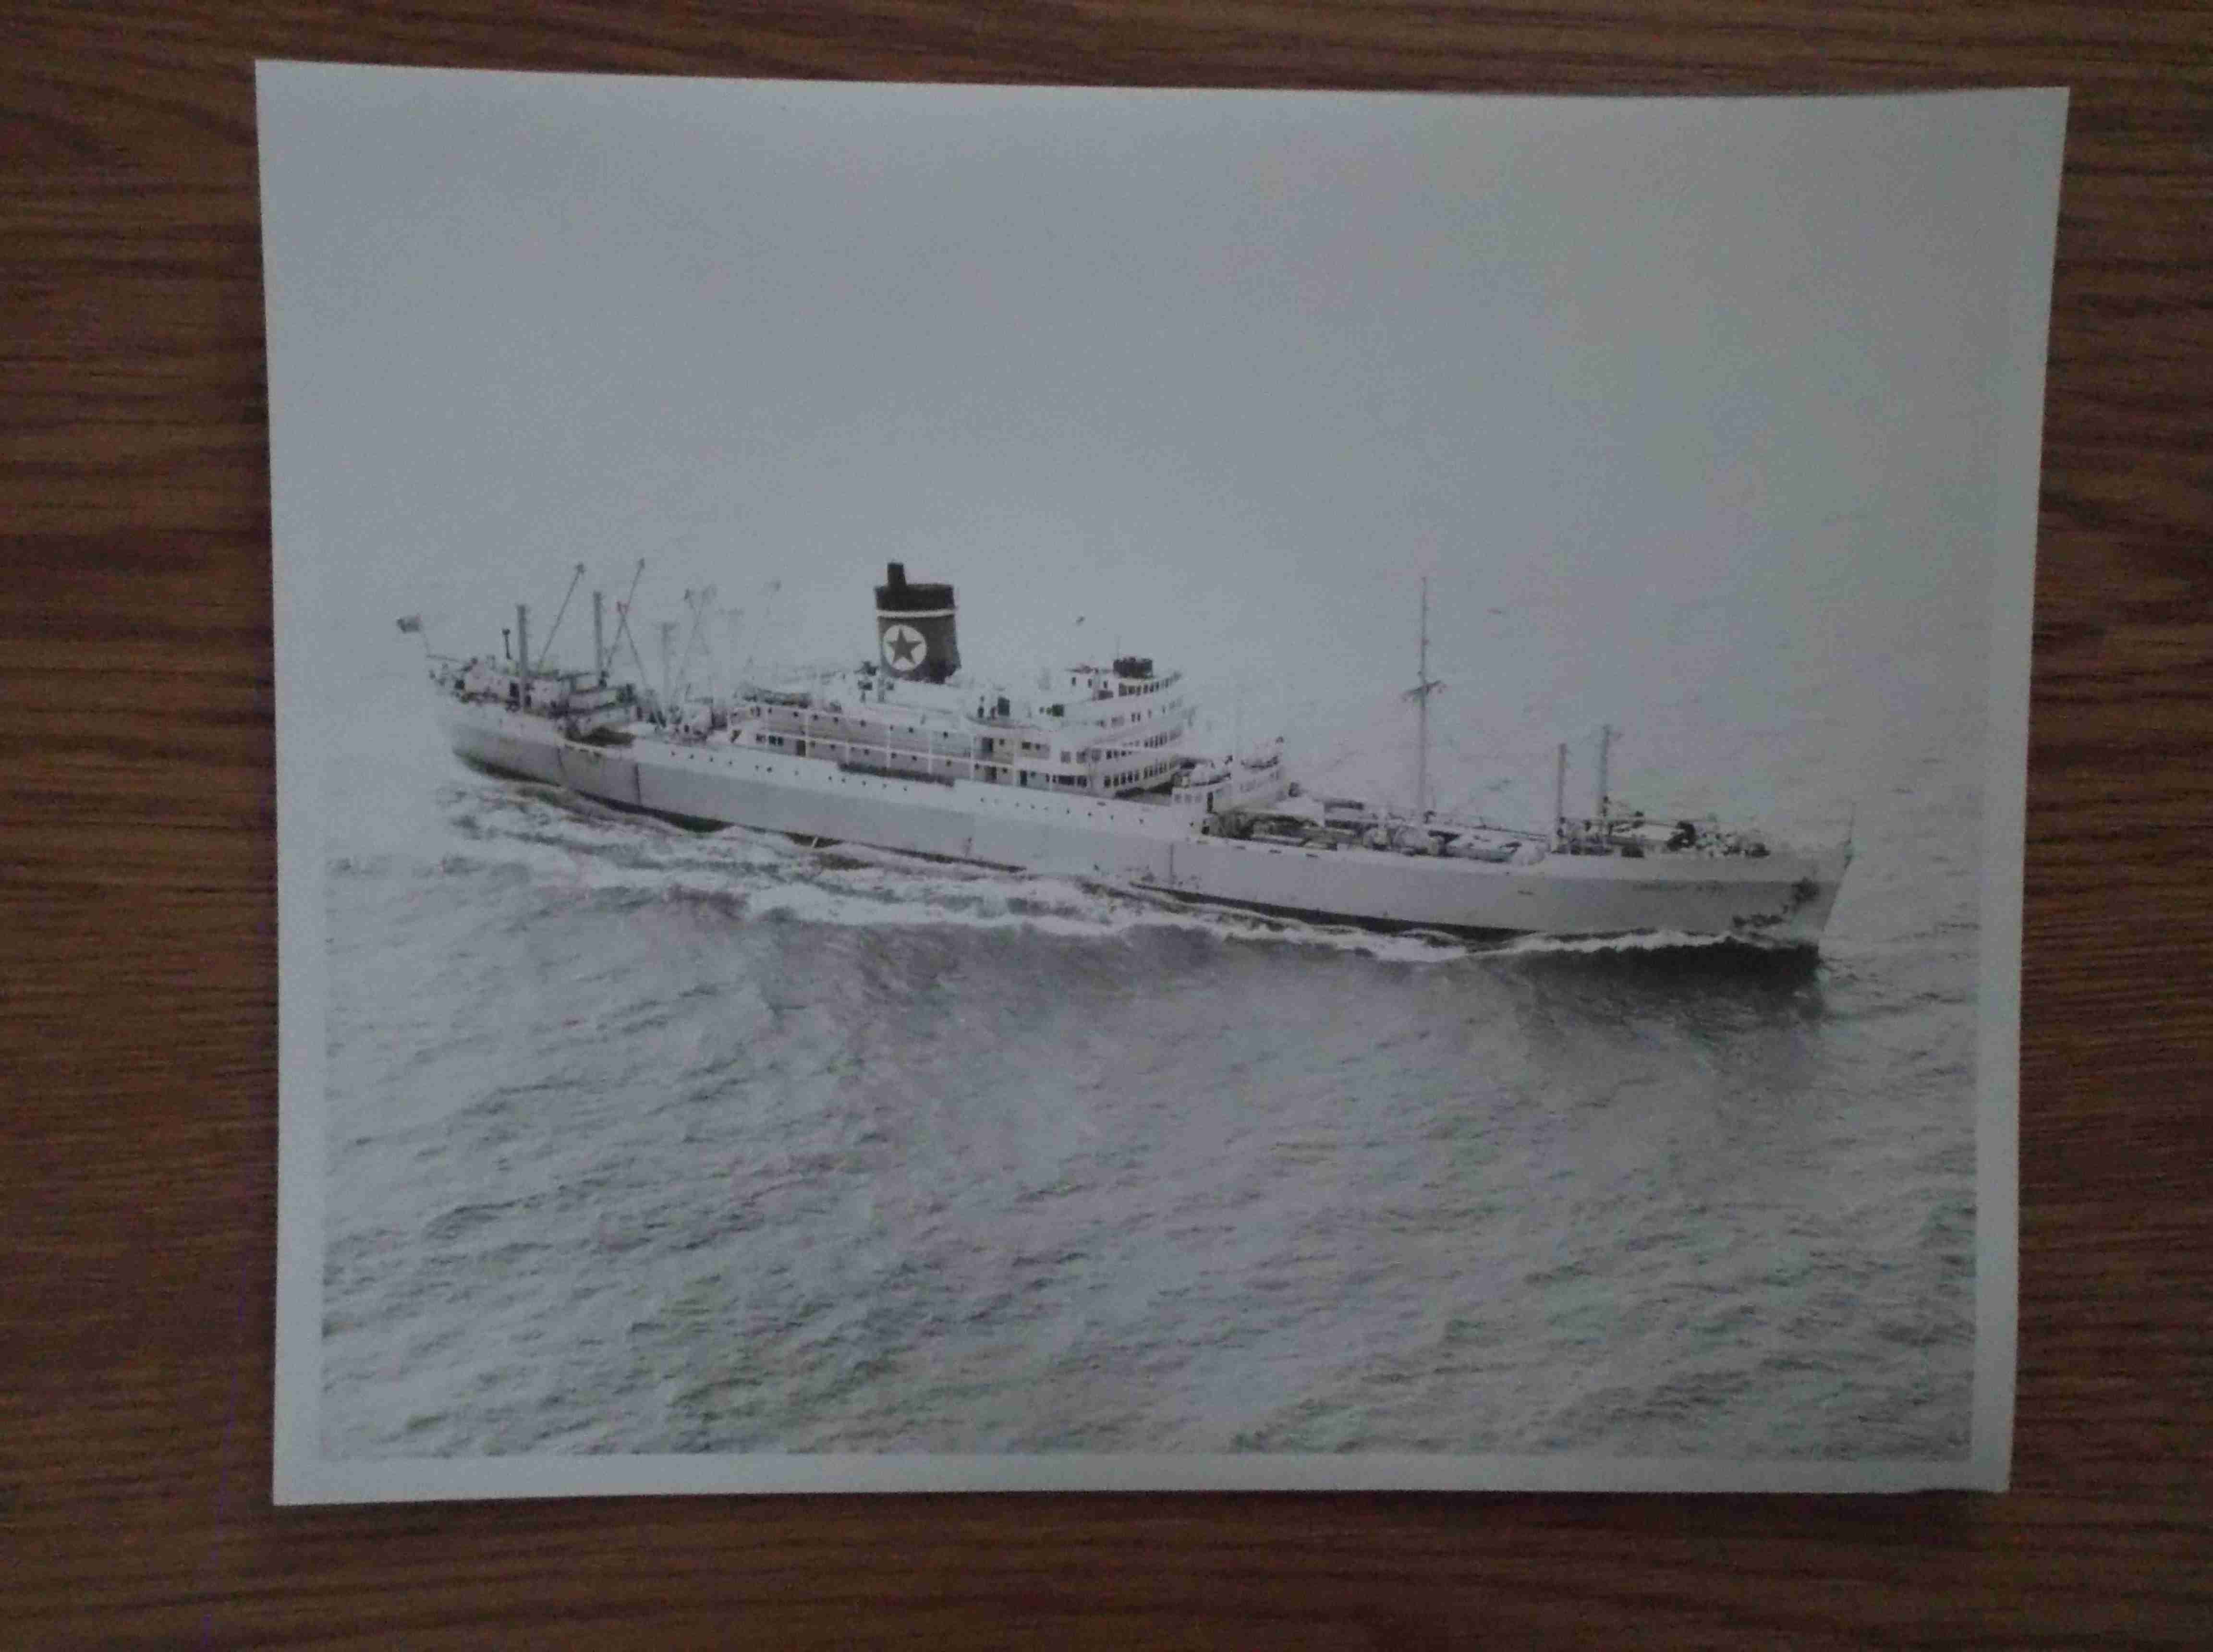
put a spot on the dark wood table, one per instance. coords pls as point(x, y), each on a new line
point(137, 975)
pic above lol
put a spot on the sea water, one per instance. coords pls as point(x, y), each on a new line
point(643, 1140)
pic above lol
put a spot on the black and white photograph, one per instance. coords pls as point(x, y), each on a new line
point(1018, 787)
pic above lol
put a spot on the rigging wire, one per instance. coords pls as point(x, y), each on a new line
point(547, 647)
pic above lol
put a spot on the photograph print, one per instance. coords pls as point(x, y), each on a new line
point(987, 787)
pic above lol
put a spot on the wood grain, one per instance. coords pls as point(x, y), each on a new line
point(138, 1036)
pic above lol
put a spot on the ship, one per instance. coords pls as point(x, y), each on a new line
point(1093, 772)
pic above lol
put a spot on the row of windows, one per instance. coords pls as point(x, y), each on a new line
point(1133, 776)
point(779, 720)
point(1140, 716)
point(1151, 713)
point(1150, 742)
point(997, 774)
point(1076, 679)
point(693, 756)
point(1030, 747)
point(846, 779)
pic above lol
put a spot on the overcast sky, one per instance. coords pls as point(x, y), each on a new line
point(1655, 392)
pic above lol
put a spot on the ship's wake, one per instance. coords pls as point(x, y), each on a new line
point(564, 843)
point(560, 842)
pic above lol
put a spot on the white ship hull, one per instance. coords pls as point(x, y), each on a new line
point(1780, 898)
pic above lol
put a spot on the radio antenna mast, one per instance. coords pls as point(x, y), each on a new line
point(1419, 694)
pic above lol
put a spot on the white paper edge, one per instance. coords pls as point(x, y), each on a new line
point(409, 1480)
point(2005, 816)
point(302, 983)
point(301, 1475)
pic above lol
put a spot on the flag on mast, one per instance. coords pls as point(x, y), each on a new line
point(411, 623)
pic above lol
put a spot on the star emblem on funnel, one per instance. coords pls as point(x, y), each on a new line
point(903, 649)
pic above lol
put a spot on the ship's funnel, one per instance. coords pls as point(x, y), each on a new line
point(914, 636)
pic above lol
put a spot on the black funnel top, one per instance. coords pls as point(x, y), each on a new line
point(895, 595)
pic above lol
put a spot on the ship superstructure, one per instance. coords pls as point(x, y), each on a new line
point(1086, 730)
point(1093, 771)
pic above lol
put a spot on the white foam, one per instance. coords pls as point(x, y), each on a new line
point(562, 842)
point(571, 844)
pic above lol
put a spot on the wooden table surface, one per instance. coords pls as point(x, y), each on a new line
point(139, 973)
